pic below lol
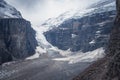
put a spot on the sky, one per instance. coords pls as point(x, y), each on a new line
point(37, 11)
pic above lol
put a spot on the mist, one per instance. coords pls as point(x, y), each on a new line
point(37, 11)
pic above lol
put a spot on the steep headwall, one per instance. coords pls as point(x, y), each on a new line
point(17, 39)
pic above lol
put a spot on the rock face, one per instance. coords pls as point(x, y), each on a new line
point(17, 39)
point(107, 68)
point(86, 34)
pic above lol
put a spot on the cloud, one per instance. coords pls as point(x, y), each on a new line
point(26, 4)
point(39, 10)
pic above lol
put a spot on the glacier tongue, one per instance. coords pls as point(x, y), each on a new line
point(44, 47)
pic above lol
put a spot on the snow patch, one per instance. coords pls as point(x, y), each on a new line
point(103, 23)
point(74, 35)
point(110, 4)
point(98, 32)
point(92, 42)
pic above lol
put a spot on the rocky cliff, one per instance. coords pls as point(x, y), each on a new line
point(17, 37)
point(107, 68)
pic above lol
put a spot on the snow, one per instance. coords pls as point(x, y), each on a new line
point(8, 11)
point(55, 22)
point(83, 57)
point(92, 42)
point(64, 28)
point(63, 52)
point(72, 14)
point(98, 32)
point(74, 35)
point(102, 3)
point(40, 36)
point(43, 44)
point(103, 23)
point(75, 14)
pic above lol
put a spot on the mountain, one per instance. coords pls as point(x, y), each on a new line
point(95, 23)
point(85, 30)
point(108, 67)
point(17, 37)
point(7, 11)
point(73, 14)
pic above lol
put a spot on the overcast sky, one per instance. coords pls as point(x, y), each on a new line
point(37, 11)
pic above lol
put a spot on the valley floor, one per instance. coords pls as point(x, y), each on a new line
point(41, 69)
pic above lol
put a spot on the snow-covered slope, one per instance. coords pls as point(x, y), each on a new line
point(102, 3)
point(7, 11)
point(109, 5)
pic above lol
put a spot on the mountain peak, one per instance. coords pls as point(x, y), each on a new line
point(8, 11)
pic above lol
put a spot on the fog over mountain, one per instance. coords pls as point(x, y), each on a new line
point(39, 10)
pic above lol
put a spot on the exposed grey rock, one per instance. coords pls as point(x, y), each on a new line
point(17, 39)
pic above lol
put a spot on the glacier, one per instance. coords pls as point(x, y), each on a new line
point(45, 47)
